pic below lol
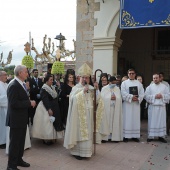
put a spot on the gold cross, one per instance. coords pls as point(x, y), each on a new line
point(151, 1)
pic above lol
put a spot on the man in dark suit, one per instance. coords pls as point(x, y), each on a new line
point(17, 117)
point(35, 87)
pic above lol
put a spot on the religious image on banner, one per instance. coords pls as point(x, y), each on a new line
point(144, 13)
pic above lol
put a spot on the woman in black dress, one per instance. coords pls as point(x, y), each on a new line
point(69, 82)
point(47, 121)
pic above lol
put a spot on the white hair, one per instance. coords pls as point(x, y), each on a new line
point(2, 73)
point(18, 69)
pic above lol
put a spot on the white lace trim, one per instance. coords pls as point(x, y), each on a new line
point(51, 90)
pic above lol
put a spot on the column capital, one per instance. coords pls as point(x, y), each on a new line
point(106, 43)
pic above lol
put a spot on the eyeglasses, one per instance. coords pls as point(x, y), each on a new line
point(131, 73)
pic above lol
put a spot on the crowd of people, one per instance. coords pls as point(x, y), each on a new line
point(55, 109)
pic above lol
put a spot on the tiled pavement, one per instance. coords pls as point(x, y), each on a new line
point(109, 156)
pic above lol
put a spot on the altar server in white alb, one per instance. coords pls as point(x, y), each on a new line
point(112, 103)
point(3, 108)
point(132, 94)
point(157, 95)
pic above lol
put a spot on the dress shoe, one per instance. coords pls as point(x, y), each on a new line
point(12, 168)
point(78, 157)
point(136, 139)
point(3, 146)
point(104, 141)
point(149, 140)
point(47, 142)
point(23, 164)
point(162, 140)
point(125, 140)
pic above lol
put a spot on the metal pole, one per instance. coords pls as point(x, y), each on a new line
point(30, 41)
point(94, 113)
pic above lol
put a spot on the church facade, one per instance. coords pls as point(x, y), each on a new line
point(103, 45)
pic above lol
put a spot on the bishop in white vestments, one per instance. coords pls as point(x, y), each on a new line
point(79, 126)
point(157, 95)
point(3, 108)
point(112, 103)
point(132, 94)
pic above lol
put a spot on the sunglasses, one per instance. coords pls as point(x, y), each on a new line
point(131, 73)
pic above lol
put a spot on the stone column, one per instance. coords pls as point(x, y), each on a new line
point(106, 54)
point(85, 31)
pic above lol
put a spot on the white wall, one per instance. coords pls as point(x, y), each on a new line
point(105, 57)
point(107, 17)
point(104, 42)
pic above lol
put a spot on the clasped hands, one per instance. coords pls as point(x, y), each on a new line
point(113, 97)
point(135, 98)
point(158, 96)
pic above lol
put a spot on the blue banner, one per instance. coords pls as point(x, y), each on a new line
point(144, 13)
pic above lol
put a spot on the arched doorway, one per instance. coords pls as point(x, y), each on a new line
point(146, 50)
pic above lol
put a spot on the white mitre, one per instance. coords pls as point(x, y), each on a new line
point(85, 70)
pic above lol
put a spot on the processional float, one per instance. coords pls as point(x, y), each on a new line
point(47, 55)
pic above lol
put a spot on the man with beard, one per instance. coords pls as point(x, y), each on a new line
point(157, 95)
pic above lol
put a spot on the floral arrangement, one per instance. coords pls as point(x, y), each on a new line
point(57, 68)
point(28, 61)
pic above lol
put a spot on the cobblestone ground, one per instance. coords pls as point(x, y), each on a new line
point(109, 156)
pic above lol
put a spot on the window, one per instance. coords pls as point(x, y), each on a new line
point(163, 41)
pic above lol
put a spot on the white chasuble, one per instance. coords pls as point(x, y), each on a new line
point(131, 109)
point(79, 126)
point(112, 114)
point(157, 109)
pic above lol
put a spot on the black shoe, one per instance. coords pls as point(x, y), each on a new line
point(78, 157)
point(23, 164)
point(58, 126)
point(12, 168)
point(162, 140)
point(104, 141)
point(125, 140)
point(3, 146)
point(136, 139)
point(47, 142)
point(149, 140)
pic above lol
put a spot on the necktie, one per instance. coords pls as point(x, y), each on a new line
point(25, 87)
point(36, 81)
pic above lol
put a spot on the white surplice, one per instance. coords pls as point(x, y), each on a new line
point(79, 126)
point(3, 111)
point(157, 109)
point(131, 109)
point(113, 112)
